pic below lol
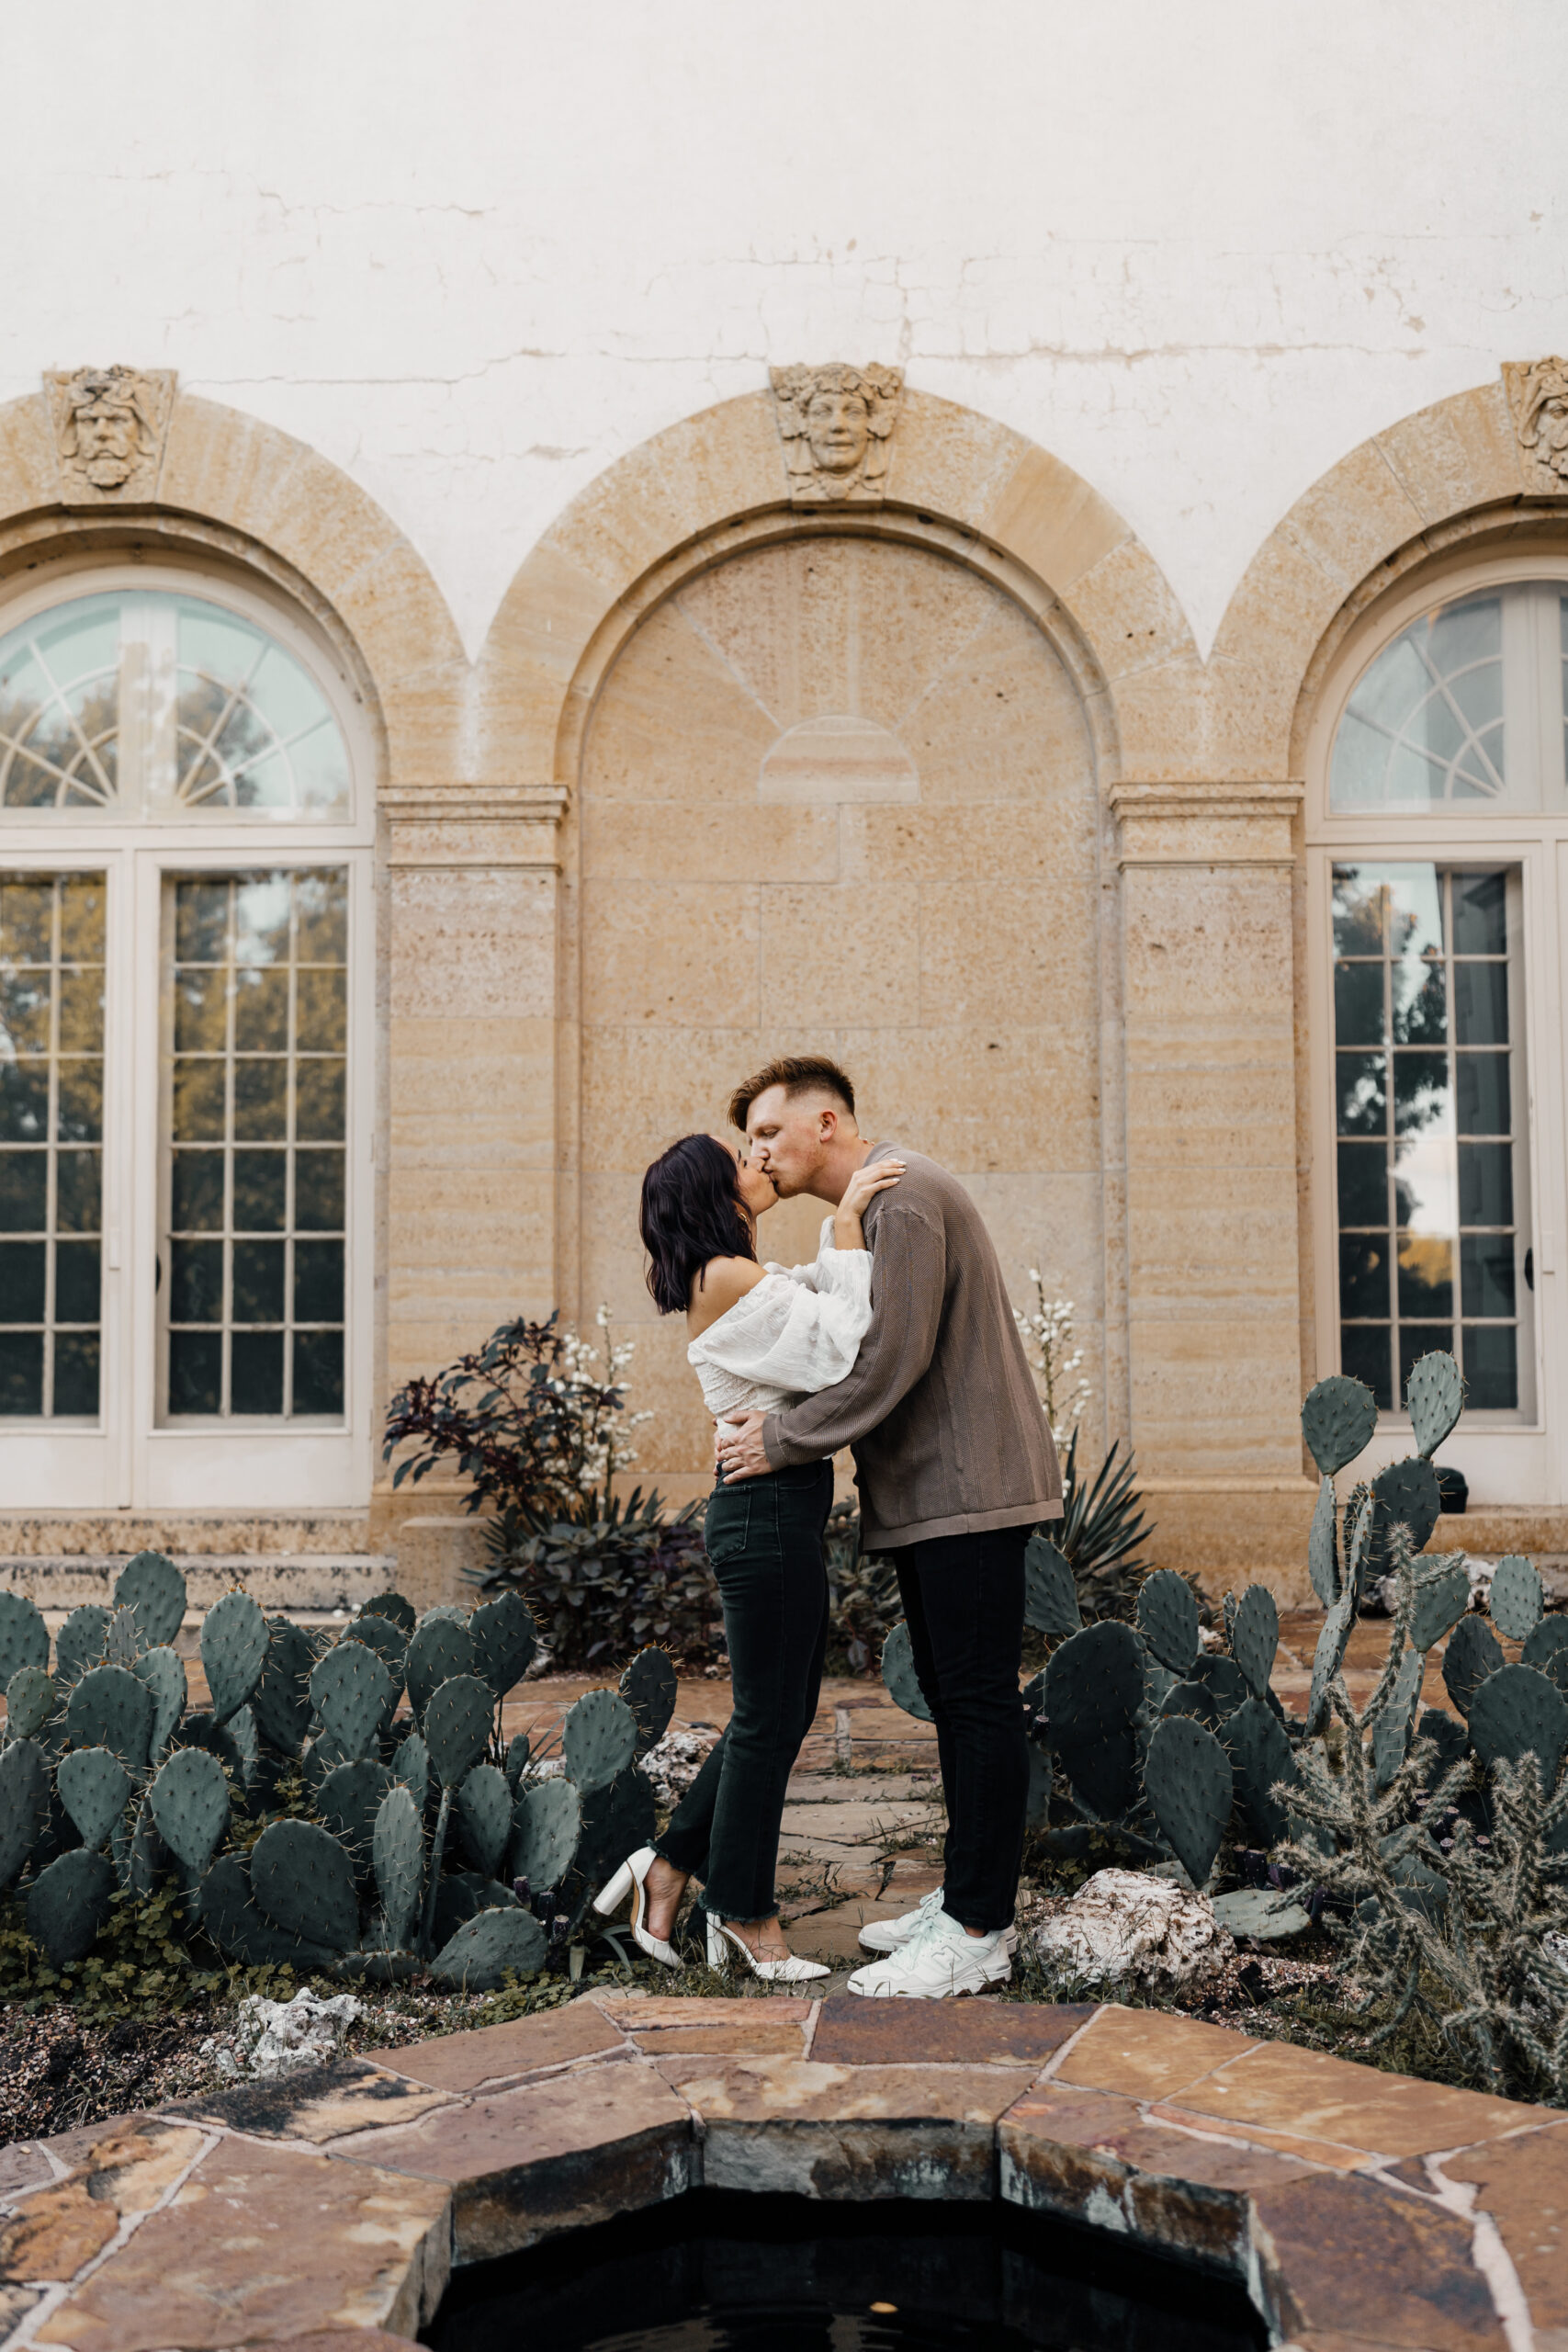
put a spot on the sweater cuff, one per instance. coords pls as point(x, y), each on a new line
point(775, 1445)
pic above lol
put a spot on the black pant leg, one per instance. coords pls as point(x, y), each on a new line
point(924, 1656)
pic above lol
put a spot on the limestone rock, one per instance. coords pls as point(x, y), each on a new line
point(1126, 1923)
point(274, 2037)
point(673, 1764)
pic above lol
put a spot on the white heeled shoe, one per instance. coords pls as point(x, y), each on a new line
point(725, 1947)
point(631, 1879)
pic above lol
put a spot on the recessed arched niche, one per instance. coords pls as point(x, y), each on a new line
point(837, 794)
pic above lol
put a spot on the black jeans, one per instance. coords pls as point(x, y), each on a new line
point(764, 1539)
point(963, 1600)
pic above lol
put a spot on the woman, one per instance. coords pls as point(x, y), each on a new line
point(760, 1337)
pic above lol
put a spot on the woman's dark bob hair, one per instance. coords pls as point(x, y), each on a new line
point(692, 1211)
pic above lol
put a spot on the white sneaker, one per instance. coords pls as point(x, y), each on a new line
point(888, 1935)
point(939, 1959)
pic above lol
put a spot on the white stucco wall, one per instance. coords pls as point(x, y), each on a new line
point(475, 252)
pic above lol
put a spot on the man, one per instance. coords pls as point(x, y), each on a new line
point(955, 1464)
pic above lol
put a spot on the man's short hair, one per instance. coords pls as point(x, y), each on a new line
point(797, 1074)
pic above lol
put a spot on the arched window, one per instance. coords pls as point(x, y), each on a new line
point(184, 804)
point(1437, 824)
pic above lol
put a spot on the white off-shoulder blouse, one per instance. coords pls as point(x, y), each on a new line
point(796, 1331)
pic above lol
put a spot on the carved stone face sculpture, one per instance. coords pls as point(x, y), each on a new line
point(838, 426)
point(108, 436)
point(1549, 426)
point(1539, 397)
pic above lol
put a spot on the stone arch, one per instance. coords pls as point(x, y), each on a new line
point(244, 490)
point(1453, 470)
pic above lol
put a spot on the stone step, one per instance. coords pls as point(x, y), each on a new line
point(297, 1584)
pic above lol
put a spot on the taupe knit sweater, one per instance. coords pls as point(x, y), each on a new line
point(948, 1431)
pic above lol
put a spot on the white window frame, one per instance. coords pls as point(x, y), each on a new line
point(1507, 1458)
point(128, 1460)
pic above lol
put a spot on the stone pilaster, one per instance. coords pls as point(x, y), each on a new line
point(472, 883)
point(1212, 1214)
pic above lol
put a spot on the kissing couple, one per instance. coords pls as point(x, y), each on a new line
point(899, 1342)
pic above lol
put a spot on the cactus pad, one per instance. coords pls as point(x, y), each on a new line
point(199, 1730)
point(69, 1903)
point(649, 1689)
point(395, 1609)
point(1189, 1784)
point(241, 1930)
point(1519, 1711)
point(162, 1675)
point(349, 1688)
point(1361, 1515)
point(1225, 1682)
point(411, 1765)
point(154, 1587)
point(397, 1845)
point(24, 1803)
point(1405, 1495)
point(109, 1708)
point(79, 1641)
point(505, 1637)
point(456, 1726)
point(1390, 1731)
point(1548, 1648)
point(348, 1801)
point(1338, 1422)
point(1050, 1592)
point(30, 1697)
point(484, 1815)
point(1255, 1637)
point(439, 1650)
point(1517, 1602)
point(598, 1739)
point(1326, 1658)
point(547, 1824)
point(189, 1802)
point(303, 1880)
point(1434, 1398)
point(898, 1674)
point(1167, 1618)
point(616, 1822)
point(234, 1651)
point(463, 1894)
point(516, 1761)
point(1094, 1686)
point(1194, 1699)
point(390, 1643)
point(1261, 1758)
point(95, 1788)
point(1323, 1550)
point(490, 1947)
point(1472, 1654)
point(1440, 1601)
point(24, 1637)
point(281, 1700)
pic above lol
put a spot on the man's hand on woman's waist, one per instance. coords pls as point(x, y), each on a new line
point(738, 1448)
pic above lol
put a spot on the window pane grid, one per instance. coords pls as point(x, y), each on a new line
point(1428, 1235)
point(52, 1088)
point(256, 1126)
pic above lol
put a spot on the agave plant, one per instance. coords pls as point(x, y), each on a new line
point(1098, 1533)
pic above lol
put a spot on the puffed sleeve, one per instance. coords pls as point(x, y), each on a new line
point(784, 1334)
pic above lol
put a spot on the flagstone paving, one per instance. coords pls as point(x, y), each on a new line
point(325, 2211)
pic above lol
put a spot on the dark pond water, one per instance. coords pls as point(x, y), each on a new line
point(713, 2272)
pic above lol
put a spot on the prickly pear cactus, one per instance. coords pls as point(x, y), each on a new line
point(1434, 1398)
point(1338, 1422)
point(1188, 1782)
point(389, 1640)
point(395, 1609)
point(95, 1788)
point(281, 1700)
point(1516, 1600)
point(189, 1803)
point(1548, 1648)
point(1405, 1495)
point(438, 1651)
point(547, 1824)
point(1094, 1688)
point(411, 1765)
point(154, 1587)
point(348, 1801)
point(649, 1689)
point(24, 1805)
point(489, 1947)
point(1323, 1547)
point(1255, 1637)
point(241, 1928)
point(598, 1739)
point(31, 1697)
point(1050, 1592)
point(456, 1726)
point(505, 1637)
point(1329, 1655)
point(517, 1753)
point(69, 1903)
point(162, 1675)
point(1167, 1619)
point(1391, 1733)
point(79, 1641)
point(1517, 1711)
point(24, 1637)
point(398, 1855)
point(898, 1673)
point(1441, 1600)
point(349, 1690)
point(109, 1708)
point(233, 1652)
point(1261, 1758)
point(303, 1880)
point(1473, 1653)
point(484, 1815)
